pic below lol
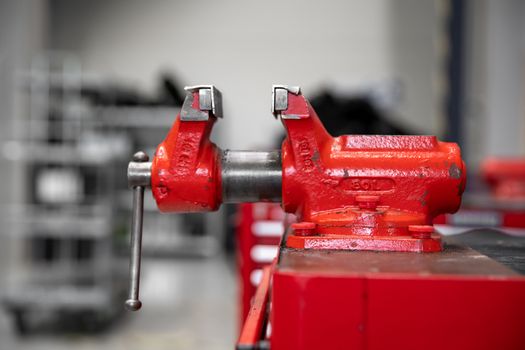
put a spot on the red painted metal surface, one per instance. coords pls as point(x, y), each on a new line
point(396, 312)
point(372, 301)
point(364, 192)
point(464, 313)
point(317, 312)
point(185, 174)
point(455, 299)
point(506, 177)
point(501, 206)
point(254, 330)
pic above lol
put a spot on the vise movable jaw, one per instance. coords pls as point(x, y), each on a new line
point(355, 192)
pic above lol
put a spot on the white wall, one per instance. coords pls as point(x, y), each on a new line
point(414, 36)
point(495, 84)
point(505, 70)
point(243, 47)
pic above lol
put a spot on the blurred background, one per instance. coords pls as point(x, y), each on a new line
point(83, 84)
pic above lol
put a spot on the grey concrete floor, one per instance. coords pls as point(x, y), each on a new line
point(188, 304)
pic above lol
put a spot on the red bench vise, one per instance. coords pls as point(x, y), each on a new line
point(353, 192)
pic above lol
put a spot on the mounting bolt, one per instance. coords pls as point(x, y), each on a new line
point(304, 228)
point(421, 231)
point(367, 202)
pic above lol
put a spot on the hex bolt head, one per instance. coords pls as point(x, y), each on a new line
point(304, 228)
point(421, 231)
point(367, 202)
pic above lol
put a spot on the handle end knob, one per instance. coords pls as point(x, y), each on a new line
point(133, 304)
point(140, 157)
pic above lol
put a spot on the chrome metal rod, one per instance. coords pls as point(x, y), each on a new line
point(250, 176)
point(133, 303)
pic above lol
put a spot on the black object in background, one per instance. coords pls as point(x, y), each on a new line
point(353, 115)
point(169, 93)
